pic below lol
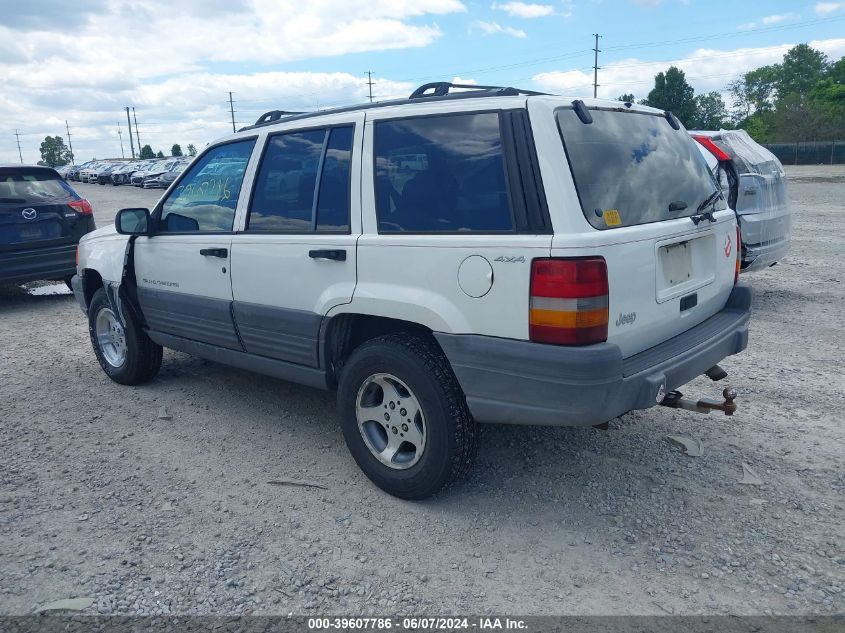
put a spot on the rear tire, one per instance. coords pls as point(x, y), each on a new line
point(125, 352)
point(380, 379)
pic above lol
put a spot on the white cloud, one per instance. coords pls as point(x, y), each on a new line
point(769, 20)
point(525, 10)
point(648, 3)
point(823, 8)
point(160, 56)
point(780, 17)
point(706, 70)
point(494, 28)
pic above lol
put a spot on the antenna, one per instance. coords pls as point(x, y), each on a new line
point(232, 111)
point(370, 83)
point(596, 66)
point(18, 137)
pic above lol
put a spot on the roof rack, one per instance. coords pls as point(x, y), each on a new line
point(274, 115)
point(443, 88)
point(437, 91)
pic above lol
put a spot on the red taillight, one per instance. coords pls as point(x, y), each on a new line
point(568, 302)
point(738, 254)
point(81, 206)
point(714, 149)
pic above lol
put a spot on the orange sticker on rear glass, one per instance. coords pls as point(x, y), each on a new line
point(611, 217)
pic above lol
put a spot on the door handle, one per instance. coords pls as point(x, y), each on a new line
point(337, 254)
point(222, 253)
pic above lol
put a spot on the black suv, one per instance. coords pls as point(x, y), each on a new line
point(41, 221)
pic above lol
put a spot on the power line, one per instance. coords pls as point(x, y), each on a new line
point(131, 143)
point(232, 111)
point(70, 145)
point(18, 138)
point(596, 67)
point(370, 84)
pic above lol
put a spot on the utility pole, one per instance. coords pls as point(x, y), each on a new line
point(18, 137)
point(596, 66)
point(129, 123)
point(137, 135)
point(67, 127)
point(120, 134)
point(232, 110)
point(370, 83)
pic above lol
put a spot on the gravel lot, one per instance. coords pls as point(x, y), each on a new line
point(102, 497)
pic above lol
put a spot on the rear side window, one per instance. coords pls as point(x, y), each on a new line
point(441, 174)
point(287, 199)
point(31, 186)
point(630, 168)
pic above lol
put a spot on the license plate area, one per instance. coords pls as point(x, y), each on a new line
point(684, 266)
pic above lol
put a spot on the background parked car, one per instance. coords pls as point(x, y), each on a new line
point(123, 174)
point(104, 175)
point(41, 221)
point(164, 179)
point(756, 186)
point(153, 170)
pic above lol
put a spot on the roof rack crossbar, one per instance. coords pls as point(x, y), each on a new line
point(443, 88)
point(274, 115)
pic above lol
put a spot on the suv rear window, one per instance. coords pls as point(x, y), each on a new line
point(33, 185)
point(629, 167)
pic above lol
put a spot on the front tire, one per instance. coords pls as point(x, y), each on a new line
point(404, 416)
point(126, 354)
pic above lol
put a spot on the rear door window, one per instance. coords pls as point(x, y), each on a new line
point(442, 174)
point(287, 199)
point(632, 168)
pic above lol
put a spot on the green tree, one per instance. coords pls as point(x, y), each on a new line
point(672, 92)
point(54, 152)
point(710, 112)
point(160, 154)
point(802, 68)
point(628, 97)
point(176, 150)
point(147, 152)
point(192, 151)
point(836, 72)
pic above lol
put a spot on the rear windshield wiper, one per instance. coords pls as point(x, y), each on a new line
point(709, 201)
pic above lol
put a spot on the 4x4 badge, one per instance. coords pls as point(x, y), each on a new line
point(728, 246)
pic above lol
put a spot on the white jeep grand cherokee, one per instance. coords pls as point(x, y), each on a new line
point(491, 255)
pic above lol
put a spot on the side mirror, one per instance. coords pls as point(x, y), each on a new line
point(133, 221)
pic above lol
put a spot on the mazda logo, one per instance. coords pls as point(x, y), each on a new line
point(29, 214)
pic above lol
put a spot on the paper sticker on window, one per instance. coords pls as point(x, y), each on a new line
point(611, 217)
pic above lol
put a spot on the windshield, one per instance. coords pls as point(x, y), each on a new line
point(632, 168)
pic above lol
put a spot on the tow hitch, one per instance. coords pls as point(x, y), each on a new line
point(676, 400)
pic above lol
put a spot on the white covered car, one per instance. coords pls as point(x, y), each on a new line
point(757, 190)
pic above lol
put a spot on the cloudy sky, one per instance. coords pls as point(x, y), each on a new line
point(175, 61)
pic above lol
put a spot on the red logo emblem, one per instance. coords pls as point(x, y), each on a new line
point(728, 246)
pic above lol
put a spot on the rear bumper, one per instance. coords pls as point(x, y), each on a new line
point(765, 238)
point(51, 262)
point(760, 256)
point(519, 382)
